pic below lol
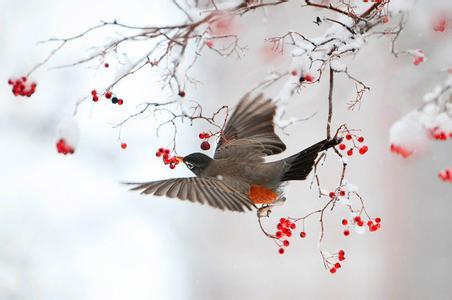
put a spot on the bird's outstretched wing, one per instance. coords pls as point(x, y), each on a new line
point(249, 131)
point(215, 192)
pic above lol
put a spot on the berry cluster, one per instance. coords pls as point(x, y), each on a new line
point(362, 149)
point(222, 25)
point(405, 153)
point(63, 147)
point(446, 175)
point(373, 225)
point(21, 86)
point(108, 95)
point(284, 231)
point(438, 134)
point(205, 145)
point(440, 25)
point(172, 161)
point(307, 77)
point(333, 194)
point(333, 262)
point(418, 56)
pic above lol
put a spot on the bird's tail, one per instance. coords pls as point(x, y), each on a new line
point(301, 164)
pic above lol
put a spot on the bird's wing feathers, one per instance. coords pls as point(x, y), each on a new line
point(215, 192)
point(250, 130)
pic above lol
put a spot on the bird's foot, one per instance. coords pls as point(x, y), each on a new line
point(264, 211)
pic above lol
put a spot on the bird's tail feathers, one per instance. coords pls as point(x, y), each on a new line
point(301, 164)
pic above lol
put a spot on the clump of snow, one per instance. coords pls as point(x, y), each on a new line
point(399, 6)
point(408, 133)
point(350, 187)
point(338, 66)
point(68, 130)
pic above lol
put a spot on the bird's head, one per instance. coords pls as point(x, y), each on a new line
point(197, 162)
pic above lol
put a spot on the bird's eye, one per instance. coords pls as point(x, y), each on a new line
point(189, 165)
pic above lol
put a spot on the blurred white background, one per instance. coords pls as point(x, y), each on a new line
point(69, 230)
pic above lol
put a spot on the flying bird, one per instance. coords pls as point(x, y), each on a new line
point(237, 178)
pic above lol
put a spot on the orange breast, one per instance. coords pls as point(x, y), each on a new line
point(261, 195)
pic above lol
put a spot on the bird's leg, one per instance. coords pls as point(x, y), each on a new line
point(264, 211)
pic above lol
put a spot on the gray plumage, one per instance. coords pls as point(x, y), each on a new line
point(224, 182)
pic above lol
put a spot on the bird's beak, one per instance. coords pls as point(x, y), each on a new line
point(180, 159)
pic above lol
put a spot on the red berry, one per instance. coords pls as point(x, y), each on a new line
point(108, 95)
point(332, 194)
point(158, 154)
point(288, 232)
point(341, 193)
point(106, 65)
point(93, 92)
point(341, 258)
point(341, 252)
point(123, 145)
point(167, 151)
point(348, 136)
point(370, 223)
point(360, 223)
point(377, 220)
point(357, 219)
point(308, 78)
point(201, 135)
point(279, 226)
point(282, 220)
point(302, 234)
point(281, 250)
point(361, 139)
point(181, 94)
point(333, 270)
point(95, 98)
point(64, 148)
point(293, 226)
point(172, 166)
point(278, 234)
point(205, 145)
point(342, 146)
point(337, 265)
point(120, 101)
point(363, 150)
point(286, 243)
point(350, 152)
point(294, 72)
point(161, 150)
point(344, 222)
point(10, 81)
point(346, 232)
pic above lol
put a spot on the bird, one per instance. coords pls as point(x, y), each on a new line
point(237, 178)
